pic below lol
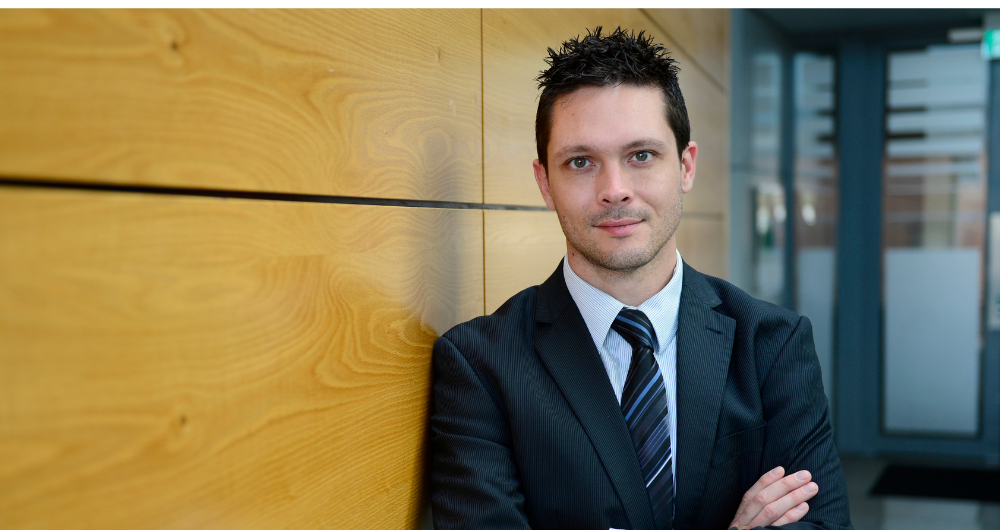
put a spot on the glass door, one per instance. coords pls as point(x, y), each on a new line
point(917, 369)
point(933, 241)
point(816, 179)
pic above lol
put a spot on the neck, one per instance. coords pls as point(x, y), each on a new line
point(631, 287)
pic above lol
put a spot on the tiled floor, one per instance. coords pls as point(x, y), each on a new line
point(910, 513)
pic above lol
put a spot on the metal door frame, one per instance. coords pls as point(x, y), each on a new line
point(859, 312)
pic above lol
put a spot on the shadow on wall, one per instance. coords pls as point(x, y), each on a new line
point(178, 361)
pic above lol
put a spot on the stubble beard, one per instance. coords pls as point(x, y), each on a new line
point(627, 262)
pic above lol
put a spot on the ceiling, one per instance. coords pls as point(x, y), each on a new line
point(814, 22)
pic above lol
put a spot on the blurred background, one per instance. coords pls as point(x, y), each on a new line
point(862, 195)
point(228, 240)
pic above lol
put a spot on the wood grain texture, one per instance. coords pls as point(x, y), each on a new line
point(703, 34)
point(372, 103)
point(698, 240)
point(176, 362)
point(514, 43)
point(522, 248)
point(708, 111)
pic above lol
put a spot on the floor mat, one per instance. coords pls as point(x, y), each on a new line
point(935, 482)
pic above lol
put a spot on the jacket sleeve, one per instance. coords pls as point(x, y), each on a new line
point(474, 480)
point(799, 434)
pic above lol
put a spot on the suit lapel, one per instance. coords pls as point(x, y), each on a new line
point(704, 348)
point(566, 348)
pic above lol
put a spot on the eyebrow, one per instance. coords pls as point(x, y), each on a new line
point(646, 142)
point(650, 143)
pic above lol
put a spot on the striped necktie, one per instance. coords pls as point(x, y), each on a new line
point(644, 405)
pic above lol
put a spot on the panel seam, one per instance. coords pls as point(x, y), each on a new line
point(22, 182)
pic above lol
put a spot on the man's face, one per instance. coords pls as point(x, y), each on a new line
point(614, 175)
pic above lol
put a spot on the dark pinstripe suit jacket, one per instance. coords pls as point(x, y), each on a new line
point(526, 430)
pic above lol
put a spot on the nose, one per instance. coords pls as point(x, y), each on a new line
point(614, 186)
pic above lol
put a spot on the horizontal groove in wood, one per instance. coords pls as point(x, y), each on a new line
point(348, 102)
point(255, 195)
point(521, 249)
point(181, 362)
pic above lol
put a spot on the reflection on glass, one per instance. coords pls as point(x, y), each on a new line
point(769, 194)
point(769, 241)
point(933, 232)
point(816, 201)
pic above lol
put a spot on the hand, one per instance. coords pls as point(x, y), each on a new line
point(774, 500)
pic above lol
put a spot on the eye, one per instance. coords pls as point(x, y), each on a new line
point(642, 156)
point(579, 163)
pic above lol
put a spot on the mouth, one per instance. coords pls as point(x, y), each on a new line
point(619, 227)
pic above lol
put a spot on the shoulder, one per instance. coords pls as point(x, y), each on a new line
point(514, 322)
point(761, 325)
point(511, 324)
point(738, 304)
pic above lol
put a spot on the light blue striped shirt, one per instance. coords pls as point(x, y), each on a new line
point(599, 310)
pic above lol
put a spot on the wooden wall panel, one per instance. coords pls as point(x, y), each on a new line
point(522, 249)
point(698, 240)
point(708, 111)
point(178, 362)
point(703, 34)
point(181, 362)
point(373, 103)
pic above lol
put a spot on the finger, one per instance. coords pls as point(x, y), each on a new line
point(742, 514)
point(763, 498)
point(775, 510)
point(794, 515)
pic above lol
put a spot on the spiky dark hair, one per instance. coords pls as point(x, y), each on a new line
point(600, 60)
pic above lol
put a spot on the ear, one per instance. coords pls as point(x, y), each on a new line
point(688, 158)
point(542, 179)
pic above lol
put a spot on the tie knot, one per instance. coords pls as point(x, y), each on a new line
point(635, 328)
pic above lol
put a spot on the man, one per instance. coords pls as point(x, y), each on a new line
point(628, 390)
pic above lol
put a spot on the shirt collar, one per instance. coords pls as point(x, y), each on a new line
point(599, 309)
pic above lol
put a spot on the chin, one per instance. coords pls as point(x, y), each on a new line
point(623, 260)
